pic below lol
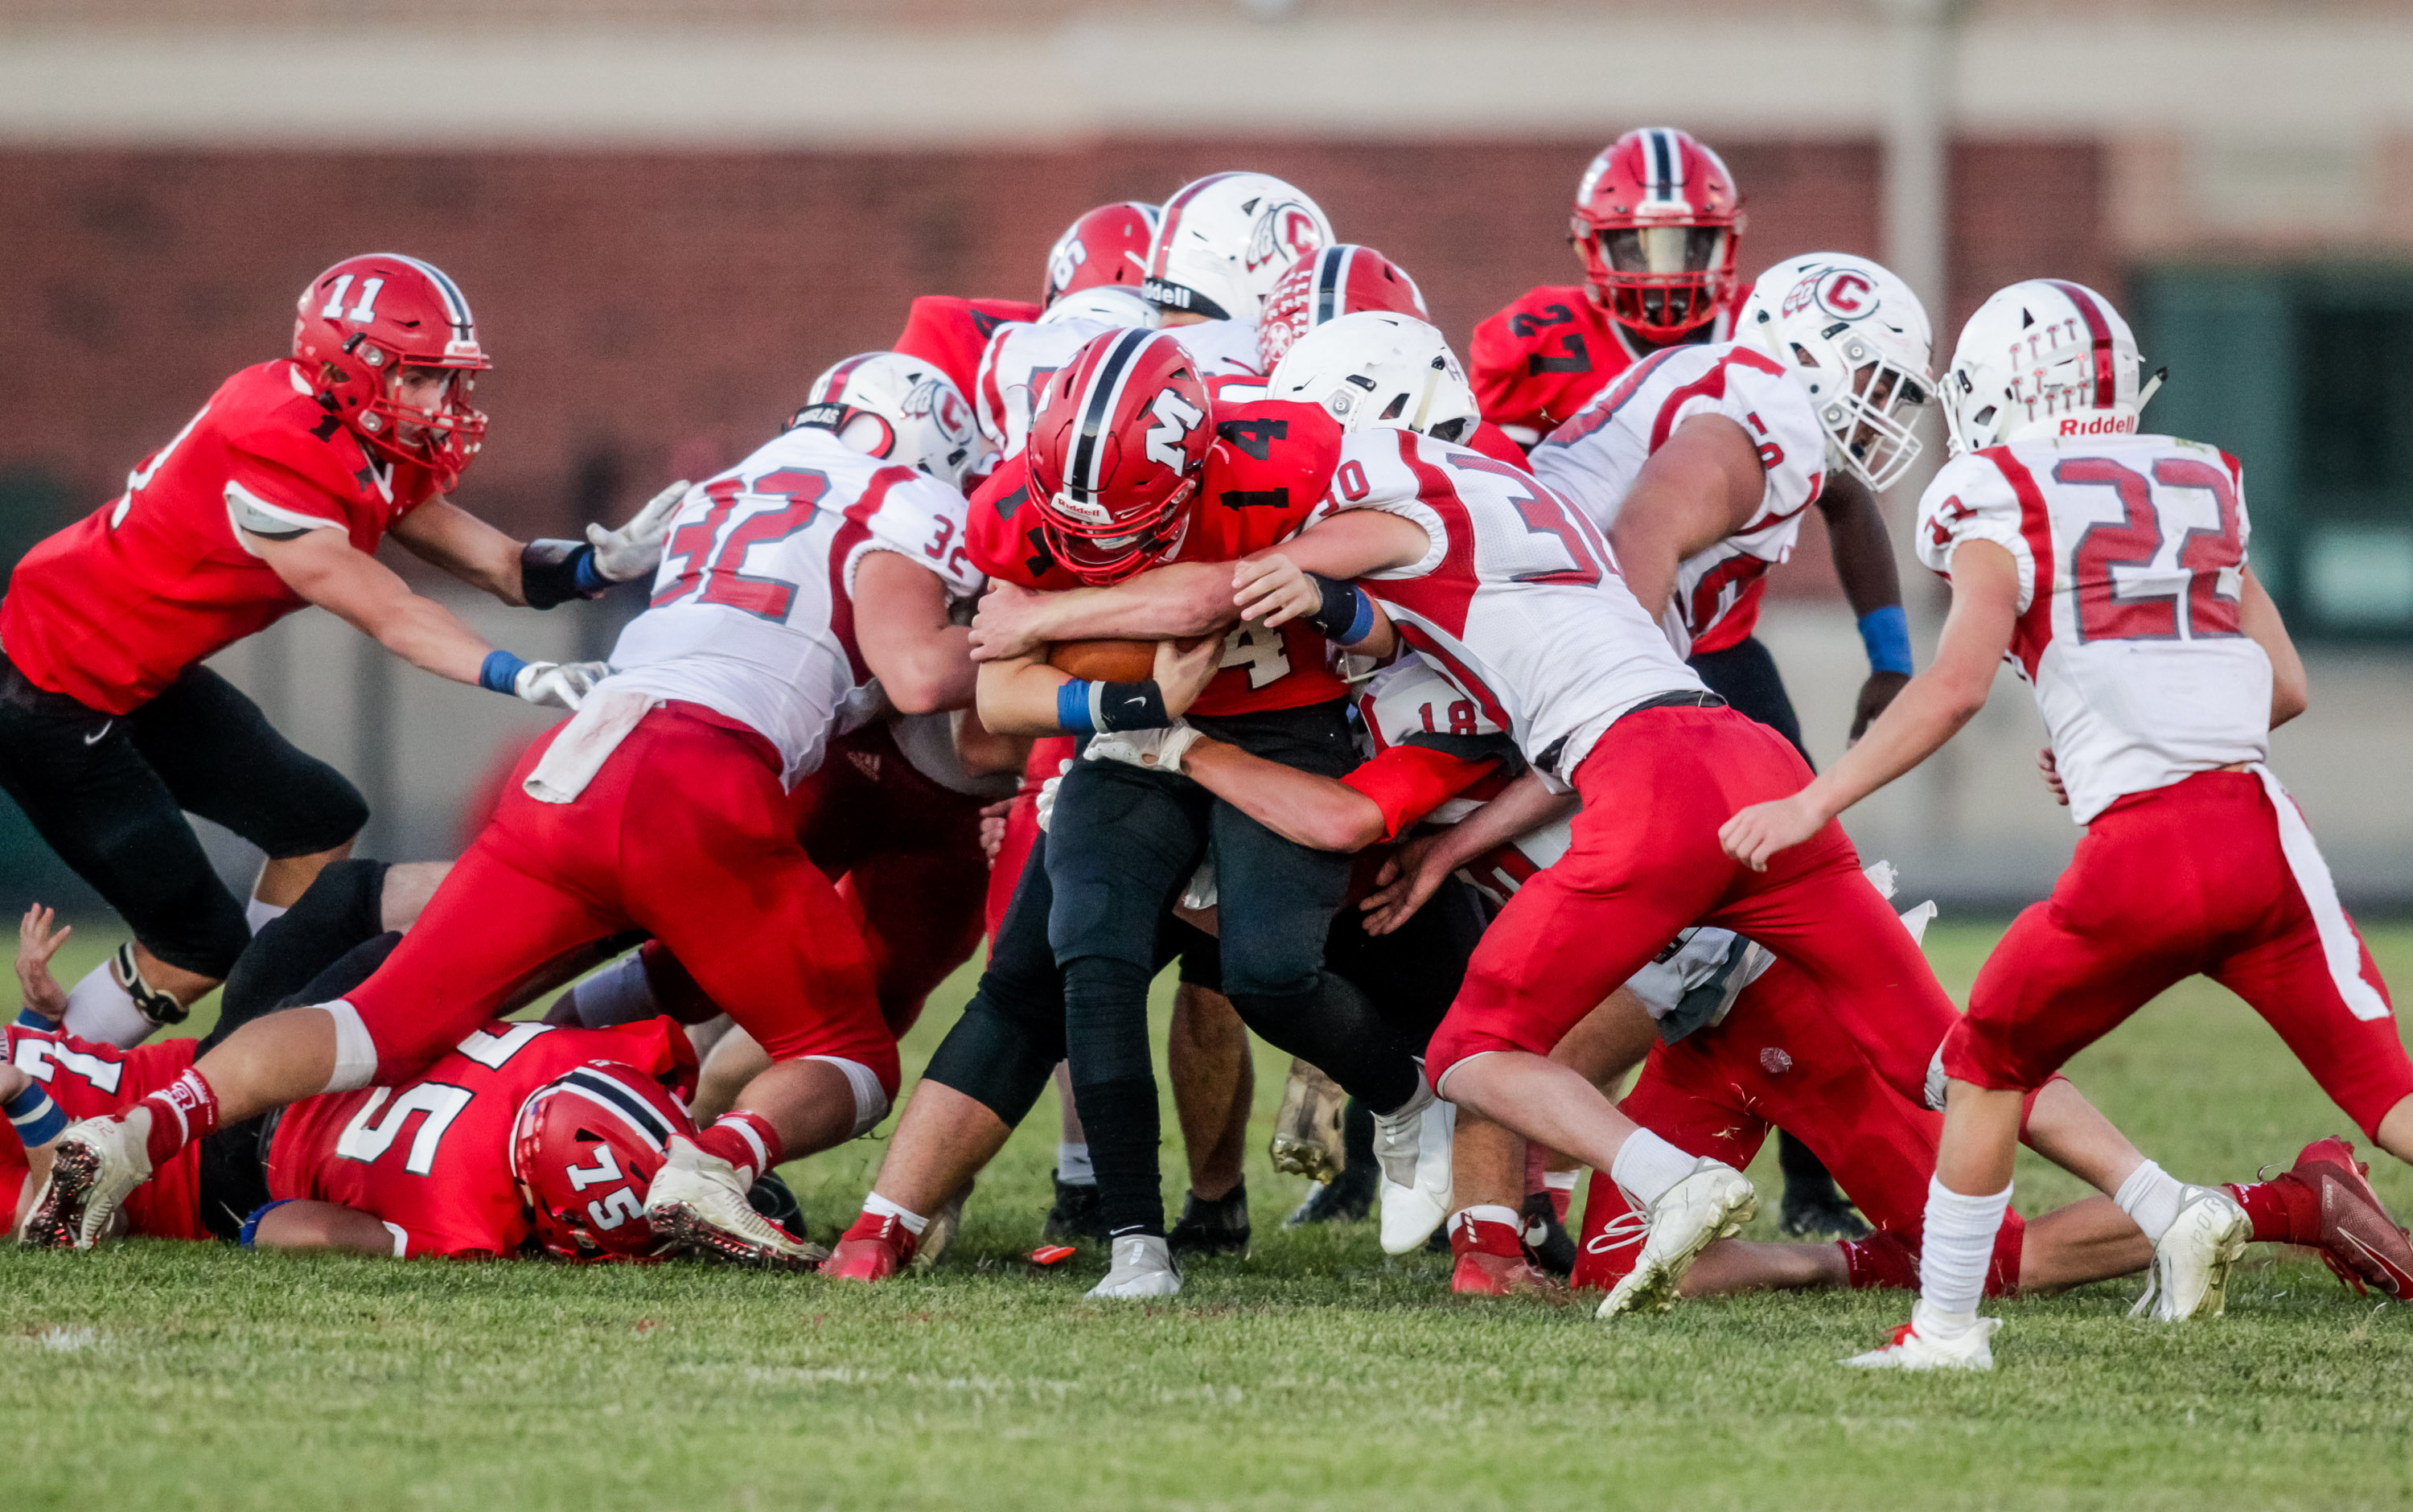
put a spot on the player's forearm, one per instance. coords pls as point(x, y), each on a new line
point(1523, 805)
point(1300, 806)
point(322, 1225)
point(1863, 551)
point(2290, 689)
point(1927, 712)
point(1175, 602)
point(982, 752)
point(427, 636)
point(1018, 697)
point(443, 535)
point(927, 673)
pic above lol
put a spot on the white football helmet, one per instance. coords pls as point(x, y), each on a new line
point(1106, 304)
point(1377, 370)
point(899, 408)
point(1857, 339)
point(2045, 357)
point(1225, 241)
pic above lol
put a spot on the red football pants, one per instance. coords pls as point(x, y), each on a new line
point(1781, 1059)
point(907, 855)
point(1645, 863)
point(1022, 825)
point(685, 832)
point(2191, 878)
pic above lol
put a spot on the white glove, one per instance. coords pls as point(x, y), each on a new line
point(1158, 750)
point(635, 549)
point(1048, 794)
point(560, 685)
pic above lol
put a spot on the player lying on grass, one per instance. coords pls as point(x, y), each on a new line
point(525, 1140)
point(2110, 568)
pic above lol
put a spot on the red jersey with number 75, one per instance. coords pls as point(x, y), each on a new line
point(2131, 555)
point(433, 1157)
point(1265, 476)
point(111, 608)
point(91, 1080)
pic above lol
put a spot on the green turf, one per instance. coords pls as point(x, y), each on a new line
point(1316, 1374)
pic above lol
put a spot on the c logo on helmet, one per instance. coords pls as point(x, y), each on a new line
point(1845, 294)
point(944, 405)
point(1283, 235)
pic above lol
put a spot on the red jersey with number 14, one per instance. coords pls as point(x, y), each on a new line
point(1264, 481)
point(433, 1157)
point(90, 1080)
point(111, 608)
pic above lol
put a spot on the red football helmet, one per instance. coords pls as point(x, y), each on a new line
point(1108, 245)
point(1327, 283)
point(584, 1149)
point(360, 323)
point(1117, 446)
point(1658, 219)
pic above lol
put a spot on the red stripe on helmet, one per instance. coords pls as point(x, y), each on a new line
point(2098, 327)
point(1170, 221)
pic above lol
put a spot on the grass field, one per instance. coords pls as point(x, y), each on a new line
point(1318, 1373)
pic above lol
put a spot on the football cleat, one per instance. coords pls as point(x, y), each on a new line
point(941, 1229)
point(1910, 1350)
point(1306, 1132)
point(1144, 1266)
point(1711, 1203)
point(2359, 1239)
point(1217, 1227)
point(698, 1201)
point(874, 1248)
point(1412, 1147)
point(1491, 1262)
point(1818, 1215)
point(1546, 1239)
point(94, 1165)
point(1075, 1213)
point(1349, 1199)
point(2191, 1263)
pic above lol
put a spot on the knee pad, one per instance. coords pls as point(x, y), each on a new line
point(872, 1097)
point(995, 1058)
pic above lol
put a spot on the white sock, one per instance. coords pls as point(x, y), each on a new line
point(100, 1010)
point(1647, 1166)
point(616, 993)
point(2151, 1195)
point(1072, 1166)
point(1558, 1180)
point(876, 1205)
point(1487, 1212)
point(258, 914)
point(1955, 1252)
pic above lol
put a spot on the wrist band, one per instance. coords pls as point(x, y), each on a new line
point(1346, 615)
point(589, 577)
point(37, 1120)
point(1129, 706)
point(250, 1230)
point(500, 672)
point(555, 571)
point(27, 1018)
point(1886, 633)
point(1073, 706)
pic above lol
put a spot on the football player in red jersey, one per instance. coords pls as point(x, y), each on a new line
point(1126, 470)
point(276, 495)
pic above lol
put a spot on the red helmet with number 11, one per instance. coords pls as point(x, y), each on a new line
point(1657, 220)
point(360, 323)
point(584, 1149)
point(1116, 449)
point(1107, 247)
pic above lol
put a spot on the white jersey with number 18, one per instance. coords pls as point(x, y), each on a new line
point(2131, 551)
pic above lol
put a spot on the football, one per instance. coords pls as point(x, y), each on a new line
point(1105, 661)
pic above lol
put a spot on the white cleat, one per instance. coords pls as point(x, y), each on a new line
point(2191, 1263)
point(1143, 1268)
point(1712, 1203)
point(942, 1230)
point(1911, 1350)
point(94, 1167)
point(1412, 1147)
point(697, 1200)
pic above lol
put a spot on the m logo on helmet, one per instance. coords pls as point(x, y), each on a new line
point(1283, 235)
point(1168, 438)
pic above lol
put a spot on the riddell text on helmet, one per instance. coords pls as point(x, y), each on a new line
point(2098, 426)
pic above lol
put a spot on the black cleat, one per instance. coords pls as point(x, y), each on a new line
point(770, 1196)
point(1819, 1215)
point(1217, 1227)
point(1349, 1198)
point(1075, 1215)
point(1548, 1243)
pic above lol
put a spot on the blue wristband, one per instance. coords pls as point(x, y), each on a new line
point(501, 670)
point(1073, 706)
point(590, 581)
point(1363, 625)
point(251, 1225)
point(37, 1120)
point(27, 1018)
point(1886, 633)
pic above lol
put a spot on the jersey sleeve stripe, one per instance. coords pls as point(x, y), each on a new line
point(2033, 630)
point(248, 511)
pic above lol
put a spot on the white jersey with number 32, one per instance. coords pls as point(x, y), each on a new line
point(753, 606)
point(1517, 601)
point(1593, 458)
point(2131, 551)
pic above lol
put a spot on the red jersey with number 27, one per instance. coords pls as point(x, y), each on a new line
point(90, 1080)
point(1539, 360)
point(111, 608)
point(433, 1157)
point(1264, 481)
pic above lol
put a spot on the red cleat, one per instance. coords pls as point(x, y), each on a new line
point(2357, 1236)
point(874, 1248)
point(1491, 1261)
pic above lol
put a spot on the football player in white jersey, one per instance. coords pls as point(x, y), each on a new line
point(1223, 242)
point(664, 806)
point(2108, 567)
point(1810, 402)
